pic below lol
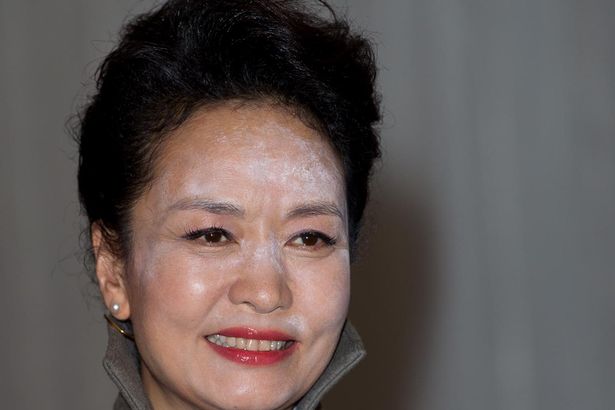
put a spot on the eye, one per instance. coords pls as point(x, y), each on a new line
point(312, 239)
point(213, 236)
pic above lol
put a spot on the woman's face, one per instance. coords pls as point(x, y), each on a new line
point(238, 283)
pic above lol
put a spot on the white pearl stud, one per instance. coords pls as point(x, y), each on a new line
point(115, 307)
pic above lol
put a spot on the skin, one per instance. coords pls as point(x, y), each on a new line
point(282, 178)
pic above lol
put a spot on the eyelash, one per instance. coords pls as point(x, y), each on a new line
point(194, 234)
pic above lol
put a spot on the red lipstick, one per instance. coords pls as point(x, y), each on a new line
point(241, 344)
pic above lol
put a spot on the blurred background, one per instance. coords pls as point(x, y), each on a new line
point(487, 274)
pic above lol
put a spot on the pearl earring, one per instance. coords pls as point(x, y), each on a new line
point(115, 307)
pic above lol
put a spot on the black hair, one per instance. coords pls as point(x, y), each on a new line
point(187, 54)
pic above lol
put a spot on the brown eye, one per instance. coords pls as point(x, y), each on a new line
point(312, 240)
point(308, 239)
point(210, 236)
point(215, 237)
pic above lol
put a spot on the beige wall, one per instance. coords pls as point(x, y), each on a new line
point(487, 275)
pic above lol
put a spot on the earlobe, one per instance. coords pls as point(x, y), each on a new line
point(110, 275)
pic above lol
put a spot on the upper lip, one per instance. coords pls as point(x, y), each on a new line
point(257, 334)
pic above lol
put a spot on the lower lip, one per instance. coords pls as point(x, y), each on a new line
point(252, 358)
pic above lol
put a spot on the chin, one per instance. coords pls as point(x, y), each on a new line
point(246, 395)
point(250, 400)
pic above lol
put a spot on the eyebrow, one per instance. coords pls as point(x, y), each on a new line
point(227, 208)
point(214, 207)
point(315, 209)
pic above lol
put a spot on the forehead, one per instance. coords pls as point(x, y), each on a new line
point(237, 152)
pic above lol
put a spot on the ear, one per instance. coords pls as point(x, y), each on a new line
point(110, 274)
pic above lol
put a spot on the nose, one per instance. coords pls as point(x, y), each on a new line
point(263, 284)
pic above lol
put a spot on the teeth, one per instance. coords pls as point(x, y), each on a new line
point(252, 345)
point(264, 345)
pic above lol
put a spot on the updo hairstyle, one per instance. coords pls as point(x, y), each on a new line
point(190, 54)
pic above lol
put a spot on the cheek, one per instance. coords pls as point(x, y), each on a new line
point(322, 292)
point(173, 286)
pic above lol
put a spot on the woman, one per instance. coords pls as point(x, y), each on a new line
point(224, 165)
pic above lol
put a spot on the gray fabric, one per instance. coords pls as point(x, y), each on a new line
point(121, 403)
point(347, 355)
point(122, 364)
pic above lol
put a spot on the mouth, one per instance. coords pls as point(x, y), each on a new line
point(249, 346)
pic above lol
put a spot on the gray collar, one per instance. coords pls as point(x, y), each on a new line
point(122, 364)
